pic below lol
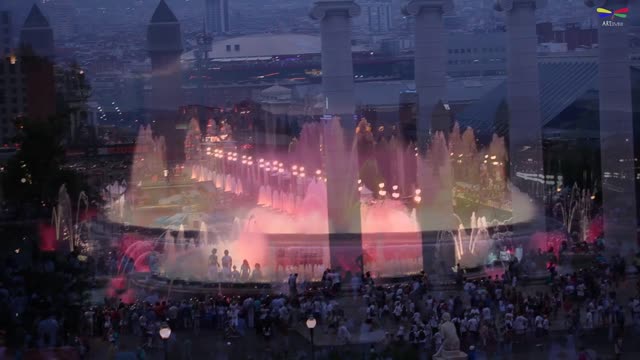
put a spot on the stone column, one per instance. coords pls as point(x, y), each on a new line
point(164, 45)
point(341, 163)
point(523, 101)
point(337, 62)
point(430, 60)
point(616, 128)
point(430, 63)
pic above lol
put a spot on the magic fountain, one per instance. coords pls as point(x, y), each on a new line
point(288, 227)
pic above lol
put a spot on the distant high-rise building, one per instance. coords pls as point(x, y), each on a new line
point(378, 14)
point(63, 18)
point(11, 96)
point(5, 33)
point(376, 17)
point(164, 44)
point(217, 16)
point(37, 54)
point(36, 35)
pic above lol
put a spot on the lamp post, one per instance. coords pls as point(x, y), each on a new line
point(165, 333)
point(311, 324)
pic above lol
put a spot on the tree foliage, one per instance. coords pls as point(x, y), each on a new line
point(35, 173)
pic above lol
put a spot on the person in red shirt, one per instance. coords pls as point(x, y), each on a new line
point(115, 319)
point(158, 309)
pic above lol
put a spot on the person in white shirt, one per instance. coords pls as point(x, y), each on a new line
point(417, 318)
point(344, 336)
point(486, 314)
point(437, 339)
point(520, 325)
point(546, 325)
point(227, 262)
point(235, 274)
point(580, 290)
point(397, 311)
point(474, 325)
point(588, 321)
point(335, 281)
point(539, 322)
point(464, 326)
point(173, 316)
point(88, 318)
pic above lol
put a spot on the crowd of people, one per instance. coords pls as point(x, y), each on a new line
point(41, 297)
point(43, 305)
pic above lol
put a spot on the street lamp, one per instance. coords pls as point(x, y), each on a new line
point(311, 324)
point(165, 333)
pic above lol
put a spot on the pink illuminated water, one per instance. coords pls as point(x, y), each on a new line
point(292, 214)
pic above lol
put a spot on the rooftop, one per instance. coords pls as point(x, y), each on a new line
point(163, 14)
point(35, 19)
point(562, 82)
point(264, 45)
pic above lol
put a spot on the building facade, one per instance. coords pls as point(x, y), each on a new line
point(12, 97)
point(37, 55)
point(5, 33)
point(164, 45)
point(217, 16)
point(377, 15)
point(63, 18)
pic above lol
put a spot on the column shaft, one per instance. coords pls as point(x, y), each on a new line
point(345, 241)
point(430, 68)
point(523, 99)
point(616, 136)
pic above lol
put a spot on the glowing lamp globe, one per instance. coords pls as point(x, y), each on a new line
point(311, 322)
point(165, 332)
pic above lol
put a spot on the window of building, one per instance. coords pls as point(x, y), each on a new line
point(228, 47)
point(455, 51)
point(237, 47)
